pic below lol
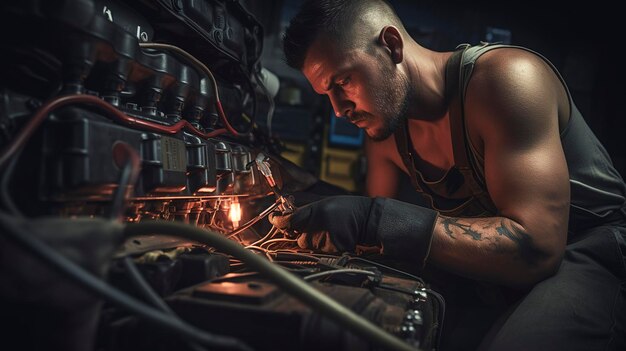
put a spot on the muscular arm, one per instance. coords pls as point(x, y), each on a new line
point(514, 106)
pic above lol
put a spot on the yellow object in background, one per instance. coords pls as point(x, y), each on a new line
point(340, 167)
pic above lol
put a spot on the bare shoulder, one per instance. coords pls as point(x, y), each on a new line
point(514, 90)
point(510, 63)
point(510, 73)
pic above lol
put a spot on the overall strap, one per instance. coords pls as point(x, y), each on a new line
point(405, 149)
point(455, 80)
point(457, 127)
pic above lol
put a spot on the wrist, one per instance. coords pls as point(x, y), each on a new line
point(404, 230)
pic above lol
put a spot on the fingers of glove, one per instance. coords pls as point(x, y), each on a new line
point(319, 241)
point(301, 220)
point(304, 241)
point(279, 220)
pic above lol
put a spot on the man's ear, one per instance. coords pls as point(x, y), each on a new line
point(391, 39)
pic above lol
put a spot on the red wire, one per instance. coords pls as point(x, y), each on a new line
point(222, 115)
point(113, 113)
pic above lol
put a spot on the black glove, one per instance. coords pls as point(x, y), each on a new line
point(339, 223)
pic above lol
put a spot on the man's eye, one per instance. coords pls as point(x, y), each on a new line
point(343, 82)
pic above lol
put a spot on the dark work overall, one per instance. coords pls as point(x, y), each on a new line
point(583, 306)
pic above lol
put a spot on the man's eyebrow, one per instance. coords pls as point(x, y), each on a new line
point(331, 80)
point(329, 83)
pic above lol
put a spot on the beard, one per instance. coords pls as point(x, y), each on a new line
point(393, 101)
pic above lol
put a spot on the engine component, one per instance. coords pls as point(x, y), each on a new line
point(142, 112)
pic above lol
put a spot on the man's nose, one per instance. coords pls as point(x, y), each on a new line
point(343, 107)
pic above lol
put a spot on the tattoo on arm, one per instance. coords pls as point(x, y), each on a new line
point(523, 241)
point(466, 228)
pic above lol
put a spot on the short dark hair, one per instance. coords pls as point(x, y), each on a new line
point(331, 17)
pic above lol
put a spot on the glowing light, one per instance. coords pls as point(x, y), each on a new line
point(234, 213)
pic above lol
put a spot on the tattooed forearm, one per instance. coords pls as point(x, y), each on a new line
point(500, 236)
point(523, 241)
point(466, 228)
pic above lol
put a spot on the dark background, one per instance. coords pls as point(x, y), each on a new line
point(582, 40)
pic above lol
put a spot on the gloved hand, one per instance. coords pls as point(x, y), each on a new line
point(339, 223)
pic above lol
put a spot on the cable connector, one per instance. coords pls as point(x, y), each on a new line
point(286, 202)
point(264, 168)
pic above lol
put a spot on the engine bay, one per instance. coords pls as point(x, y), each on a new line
point(136, 186)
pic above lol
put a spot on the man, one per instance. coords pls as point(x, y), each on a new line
point(523, 195)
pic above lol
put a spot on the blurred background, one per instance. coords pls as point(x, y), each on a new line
point(581, 40)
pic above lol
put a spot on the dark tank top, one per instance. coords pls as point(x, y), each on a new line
point(598, 192)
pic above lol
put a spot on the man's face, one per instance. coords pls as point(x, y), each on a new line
point(367, 88)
